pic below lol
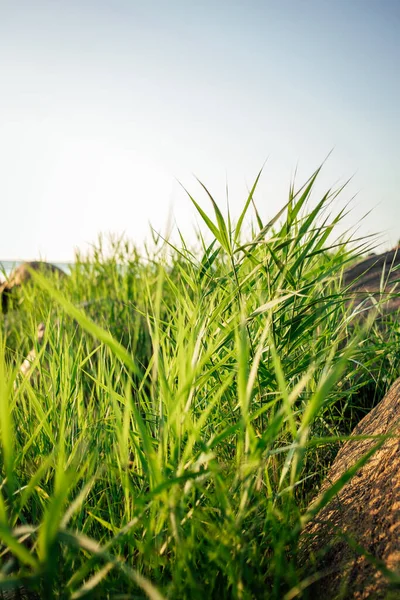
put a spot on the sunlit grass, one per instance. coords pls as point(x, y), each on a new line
point(183, 409)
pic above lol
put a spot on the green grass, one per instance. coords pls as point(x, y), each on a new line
point(183, 409)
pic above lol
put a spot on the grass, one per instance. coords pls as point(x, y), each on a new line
point(183, 409)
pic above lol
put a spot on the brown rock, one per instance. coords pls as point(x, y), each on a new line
point(26, 366)
point(376, 276)
point(363, 517)
point(21, 275)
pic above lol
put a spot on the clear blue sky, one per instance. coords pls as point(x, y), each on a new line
point(104, 105)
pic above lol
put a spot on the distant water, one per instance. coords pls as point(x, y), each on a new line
point(6, 266)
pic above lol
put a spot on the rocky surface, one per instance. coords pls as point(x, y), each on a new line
point(21, 275)
point(354, 541)
point(376, 276)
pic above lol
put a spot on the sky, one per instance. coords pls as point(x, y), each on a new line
point(109, 109)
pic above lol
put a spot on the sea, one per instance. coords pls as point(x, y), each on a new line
point(6, 266)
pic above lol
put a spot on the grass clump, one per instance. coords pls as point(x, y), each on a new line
point(181, 411)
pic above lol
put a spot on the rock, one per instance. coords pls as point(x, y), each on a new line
point(364, 280)
point(26, 366)
point(21, 275)
point(364, 514)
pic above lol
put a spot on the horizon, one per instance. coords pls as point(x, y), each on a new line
point(106, 108)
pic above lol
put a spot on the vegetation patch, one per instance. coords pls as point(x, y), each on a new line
point(182, 408)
